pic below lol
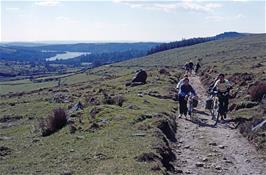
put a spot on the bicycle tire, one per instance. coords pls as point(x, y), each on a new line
point(217, 119)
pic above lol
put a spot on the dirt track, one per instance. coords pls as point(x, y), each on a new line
point(204, 149)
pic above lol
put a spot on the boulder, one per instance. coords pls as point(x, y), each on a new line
point(140, 77)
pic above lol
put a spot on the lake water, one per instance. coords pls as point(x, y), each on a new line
point(66, 55)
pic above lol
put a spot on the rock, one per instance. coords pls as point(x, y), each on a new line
point(217, 167)
point(247, 160)
point(94, 126)
point(9, 118)
point(71, 150)
point(140, 77)
point(228, 161)
point(178, 171)
point(5, 138)
point(94, 111)
point(147, 157)
point(139, 134)
point(4, 151)
point(140, 95)
point(60, 98)
point(247, 97)
point(187, 147)
point(134, 107)
point(221, 146)
point(67, 173)
point(146, 101)
point(213, 144)
point(80, 137)
point(72, 128)
point(246, 104)
point(35, 140)
point(188, 172)
point(103, 122)
point(76, 107)
point(205, 159)
point(210, 155)
point(164, 71)
point(199, 164)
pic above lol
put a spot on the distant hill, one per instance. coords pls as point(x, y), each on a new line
point(192, 41)
point(35, 53)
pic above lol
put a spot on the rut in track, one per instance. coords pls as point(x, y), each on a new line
point(204, 149)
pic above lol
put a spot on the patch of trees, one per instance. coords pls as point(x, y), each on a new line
point(178, 44)
point(192, 41)
point(26, 54)
point(99, 47)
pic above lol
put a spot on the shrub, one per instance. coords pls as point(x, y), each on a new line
point(119, 100)
point(257, 90)
point(116, 100)
point(53, 122)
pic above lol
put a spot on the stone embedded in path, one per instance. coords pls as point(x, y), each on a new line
point(228, 161)
point(217, 167)
point(188, 172)
point(67, 173)
point(199, 164)
point(213, 144)
point(187, 147)
point(178, 171)
point(221, 146)
point(204, 159)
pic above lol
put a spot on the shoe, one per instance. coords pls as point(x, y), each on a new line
point(180, 115)
point(225, 116)
point(189, 113)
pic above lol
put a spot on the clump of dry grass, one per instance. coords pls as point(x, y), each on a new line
point(257, 91)
point(55, 121)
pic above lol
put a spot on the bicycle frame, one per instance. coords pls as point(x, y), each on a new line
point(216, 108)
point(190, 104)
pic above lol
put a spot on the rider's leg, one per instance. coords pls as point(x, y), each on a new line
point(185, 108)
point(226, 102)
point(221, 105)
point(182, 103)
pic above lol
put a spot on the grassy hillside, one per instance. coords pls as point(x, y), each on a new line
point(131, 138)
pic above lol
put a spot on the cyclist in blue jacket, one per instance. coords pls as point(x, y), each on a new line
point(184, 92)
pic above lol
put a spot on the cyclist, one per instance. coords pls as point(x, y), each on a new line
point(197, 67)
point(186, 67)
point(222, 86)
point(184, 91)
point(181, 82)
point(190, 66)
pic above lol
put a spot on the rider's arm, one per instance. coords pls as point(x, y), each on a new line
point(215, 85)
point(179, 84)
point(228, 85)
point(181, 91)
point(193, 91)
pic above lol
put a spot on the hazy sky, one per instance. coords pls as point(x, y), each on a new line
point(119, 20)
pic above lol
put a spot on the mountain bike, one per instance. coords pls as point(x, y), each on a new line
point(192, 103)
point(216, 109)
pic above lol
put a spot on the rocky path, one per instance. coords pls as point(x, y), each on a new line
point(204, 149)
